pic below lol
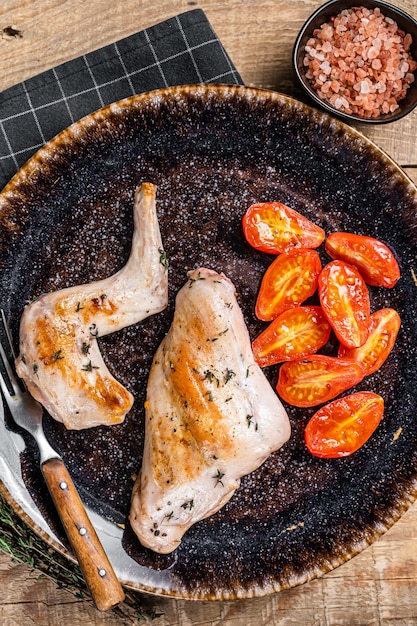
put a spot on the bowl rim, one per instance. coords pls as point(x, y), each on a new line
point(324, 9)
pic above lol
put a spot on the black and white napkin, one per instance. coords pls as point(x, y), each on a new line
point(180, 50)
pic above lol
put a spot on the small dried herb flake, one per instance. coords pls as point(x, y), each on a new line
point(219, 477)
point(89, 367)
point(93, 330)
point(163, 259)
point(85, 348)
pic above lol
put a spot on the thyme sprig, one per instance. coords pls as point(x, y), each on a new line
point(24, 546)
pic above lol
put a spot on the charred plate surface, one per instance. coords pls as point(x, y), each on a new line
point(66, 218)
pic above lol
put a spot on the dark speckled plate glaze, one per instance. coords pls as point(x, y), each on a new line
point(66, 218)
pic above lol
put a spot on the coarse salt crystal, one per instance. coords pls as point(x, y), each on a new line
point(341, 28)
point(381, 87)
point(408, 40)
point(361, 52)
point(325, 66)
point(341, 102)
point(373, 52)
point(327, 32)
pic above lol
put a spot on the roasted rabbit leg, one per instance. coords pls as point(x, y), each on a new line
point(211, 415)
point(59, 358)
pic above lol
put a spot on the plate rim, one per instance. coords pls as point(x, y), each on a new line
point(34, 165)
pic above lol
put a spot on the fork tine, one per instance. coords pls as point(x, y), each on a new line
point(8, 384)
point(8, 333)
point(13, 387)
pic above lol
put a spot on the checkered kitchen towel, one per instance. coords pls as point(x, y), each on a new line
point(181, 50)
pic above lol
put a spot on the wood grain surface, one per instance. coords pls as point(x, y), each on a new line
point(377, 587)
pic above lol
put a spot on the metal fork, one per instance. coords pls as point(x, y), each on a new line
point(104, 586)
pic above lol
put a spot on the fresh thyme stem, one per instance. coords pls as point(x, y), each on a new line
point(24, 546)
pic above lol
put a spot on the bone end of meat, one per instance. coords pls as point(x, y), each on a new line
point(148, 189)
point(211, 416)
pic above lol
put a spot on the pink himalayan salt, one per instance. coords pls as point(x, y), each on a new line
point(360, 63)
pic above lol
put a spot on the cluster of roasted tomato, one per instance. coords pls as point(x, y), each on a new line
point(296, 332)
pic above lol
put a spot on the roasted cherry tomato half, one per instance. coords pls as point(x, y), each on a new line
point(290, 279)
point(316, 379)
point(345, 301)
point(343, 426)
point(371, 257)
point(295, 333)
point(383, 331)
point(273, 227)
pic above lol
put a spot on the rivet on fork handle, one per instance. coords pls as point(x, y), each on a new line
point(96, 568)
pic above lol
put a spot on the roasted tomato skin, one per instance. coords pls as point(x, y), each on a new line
point(291, 278)
point(295, 333)
point(371, 257)
point(274, 227)
point(316, 379)
point(383, 331)
point(344, 425)
point(344, 298)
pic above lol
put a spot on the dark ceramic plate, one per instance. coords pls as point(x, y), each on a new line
point(213, 150)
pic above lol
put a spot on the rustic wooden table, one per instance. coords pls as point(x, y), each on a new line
point(379, 585)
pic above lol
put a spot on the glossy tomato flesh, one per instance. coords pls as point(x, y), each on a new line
point(290, 279)
point(274, 227)
point(383, 331)
point(371, 257)
point(295, 333)
point(316, 379)
point(344, 298)
point(344, 425)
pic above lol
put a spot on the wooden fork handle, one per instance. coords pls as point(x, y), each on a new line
point(98, 573)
